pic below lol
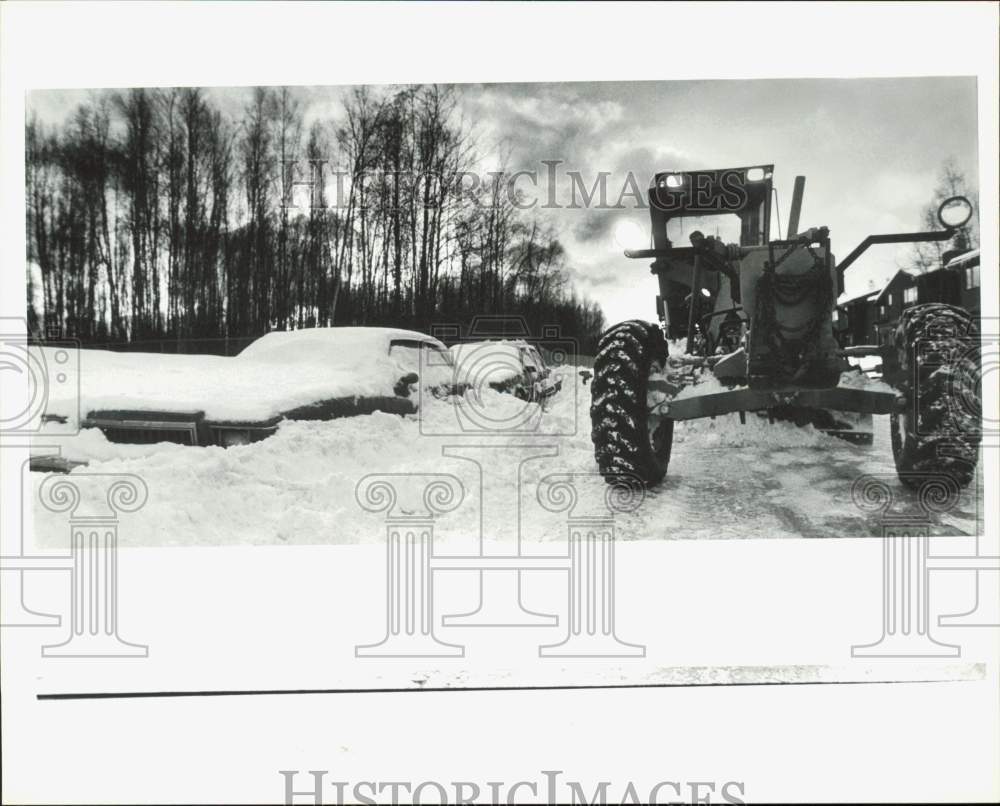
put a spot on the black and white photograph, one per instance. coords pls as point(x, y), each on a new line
point(499, 403)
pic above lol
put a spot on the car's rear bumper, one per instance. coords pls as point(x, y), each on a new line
point(183, 428)
point(192, 428)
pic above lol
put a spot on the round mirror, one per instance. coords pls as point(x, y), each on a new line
point(955, 212)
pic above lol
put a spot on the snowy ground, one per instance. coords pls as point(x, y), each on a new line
point(726, 480)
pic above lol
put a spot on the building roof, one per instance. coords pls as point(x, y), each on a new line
point(892, 279)
point(967, 258)
point(872, 296)
point(843, 299)
point(962, 261)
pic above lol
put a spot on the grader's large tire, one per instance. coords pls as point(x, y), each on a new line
point(626, 439)
point(939, 430)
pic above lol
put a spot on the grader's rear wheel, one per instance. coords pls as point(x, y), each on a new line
point(630, 435)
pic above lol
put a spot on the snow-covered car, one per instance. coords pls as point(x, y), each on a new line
point(513, 366)
point(309, 374)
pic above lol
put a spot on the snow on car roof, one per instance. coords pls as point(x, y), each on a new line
point(374, 341)
point(511, 346)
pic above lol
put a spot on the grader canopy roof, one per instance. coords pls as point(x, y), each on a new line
point(745, 192)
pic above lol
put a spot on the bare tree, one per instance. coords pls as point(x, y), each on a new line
point(951, 182)
point(153, 215)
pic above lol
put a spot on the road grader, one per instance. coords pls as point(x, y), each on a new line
point(756, 323)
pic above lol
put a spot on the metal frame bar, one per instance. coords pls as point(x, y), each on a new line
point(898, 237)
point(863, 401)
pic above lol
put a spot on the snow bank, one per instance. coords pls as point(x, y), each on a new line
point(727, 431)
point(299, 485)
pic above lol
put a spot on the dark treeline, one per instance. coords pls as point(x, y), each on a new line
point(153, 216)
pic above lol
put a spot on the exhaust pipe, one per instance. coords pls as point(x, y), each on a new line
point(793, 216)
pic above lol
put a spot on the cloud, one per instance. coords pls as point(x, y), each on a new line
point(543, 121)
point(595, 224)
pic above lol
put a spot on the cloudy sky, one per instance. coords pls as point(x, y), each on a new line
point(870, 149)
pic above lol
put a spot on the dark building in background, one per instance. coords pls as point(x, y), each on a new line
point(855, 319)
point(871, 317)
point(957, 283)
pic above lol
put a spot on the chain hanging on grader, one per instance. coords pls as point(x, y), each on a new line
point(767, 344)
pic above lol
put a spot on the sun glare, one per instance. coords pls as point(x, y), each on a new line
point(629, 235)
